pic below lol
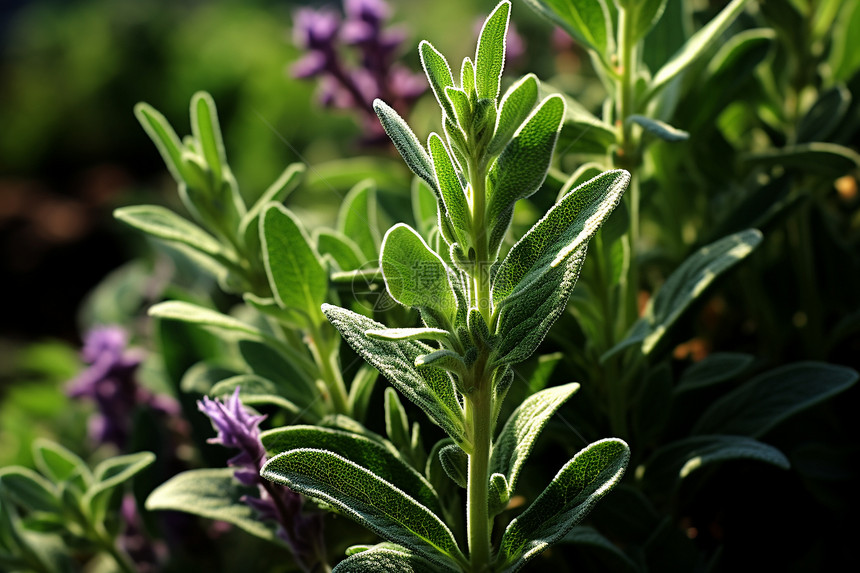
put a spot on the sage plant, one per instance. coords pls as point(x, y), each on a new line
point(482, 313)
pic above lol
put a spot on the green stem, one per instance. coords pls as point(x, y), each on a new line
point(325, 358)
point(480, 238)
point(479, 417)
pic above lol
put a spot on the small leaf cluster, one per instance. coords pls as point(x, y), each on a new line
point(64, 512)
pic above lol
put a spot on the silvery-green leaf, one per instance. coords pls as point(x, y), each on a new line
point(405, 141)
point(249, 227)
point(514, 443)
point(341, 248)
point(522, 165)
point(29, 489)
point(381, 458)
point(165, 224)
point(60, 464)
point(518, 102)
point(164, 138)
point(673, 462)
point(414, 274)
point(533, 283)
point(357, 218)
point(455, 462)
point(255, 390)
point(438, 74)
point(296, 275)
point(444, 359)
point(207, 133)
point(430, 388)
point(452, 192)
point(368, 499)
point(396, 421)
point(695, 46)
point(214, 494)
point(587, 21)
point(499, 493)
point(829, 159)
point(760, 404)
point(200, 315)
point(685, 285)
point(409, 334)
point(714, 369)
point(659, 128)
point(390, 558)
point(459, 102)
point(490, 54)
point(590, 475)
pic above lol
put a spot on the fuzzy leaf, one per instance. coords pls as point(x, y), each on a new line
point(565, 502)
point(675, 461)
point(29, 489)
point(462, 107)
point(409, 334)
point(298, 278)
point(367, 498)
point(202, 316)
point(499, 493)
point(516, 105)
point(533, 282)
point(514, 444)
point(444, 359)
point(249, 227)
point(760, 404)
point(165, 139)
point(361, 389)
point(452, 192)
point(714, 369)
point(490, 54)
point(357, 218)
point(467, 76)
point(430, 388)
point(685, 285)
point(695, 46)
point(438, 74)
point(455, 462)
point(587, 21)
point(414, 274)
point(207, 132)
point(213, 494)
point(389, 558)
point(339, 247)
point(396, 422)
point(379, 457)
point(165, 224)
point(659, 128)
point(405, 141)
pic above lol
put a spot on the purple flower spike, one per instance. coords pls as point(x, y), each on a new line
point(374, 12)
point(315, 29)
point(240, 429)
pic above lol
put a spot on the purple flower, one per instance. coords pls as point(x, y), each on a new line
point(110, 381)
point(238, 428)
point(315, 29)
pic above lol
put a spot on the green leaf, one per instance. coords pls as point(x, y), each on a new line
point(590, 475)
point(517, 103)
point(462, 108)
point(714, 369)
point(361, 389)
point(111, 473)
point(29, 489)
point(438, 74)
point(695, 46)
point(409, 334)
point(249, 227)
point(587, 21)
point(379, 457)
point(61, 465)
point(298, 279)
point(490, 54)
point(165, 139)
point(165, 224)
point(368, 499)
point(390, 558)
point(521, 168)
point(825, 115)
point(685, 285)
point(207, 132)
point(414, 274)
point(829, 159)
point(405, 141)
point(646, 13)
point(424, 208)
point(357, 218)
point(659, 128)
point(533, 282)
point(396, 422)
point(341, 248)
point(467, 76)
point(514, 444)
point(455, 462)
point(444, 359)
point(610, 557)
point(255, 390)
point(213, 494)
point(270, 307)
point(452, 192)
point(581, 131)
point(430, 388)
point(673, 462)
point(202, 316)
point(760, 404)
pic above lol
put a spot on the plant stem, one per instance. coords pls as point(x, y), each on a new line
point(331, 376)
point(479, 416)
point(480, 239)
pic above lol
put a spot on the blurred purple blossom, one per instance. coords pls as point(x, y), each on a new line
point(110, 381)
point(326, 38)
point(239, 428)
